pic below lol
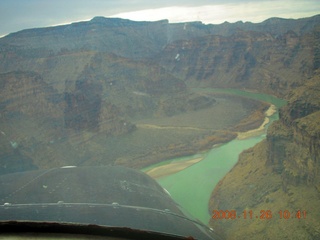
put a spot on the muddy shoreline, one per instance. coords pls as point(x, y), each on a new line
point(175, 167)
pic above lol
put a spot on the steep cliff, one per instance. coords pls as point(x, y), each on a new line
point(300, 123)
point(273, 64)
point(280, 174)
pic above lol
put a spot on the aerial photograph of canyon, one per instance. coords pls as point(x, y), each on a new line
point(183, 119)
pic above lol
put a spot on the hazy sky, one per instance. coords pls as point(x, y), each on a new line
point(16, 15)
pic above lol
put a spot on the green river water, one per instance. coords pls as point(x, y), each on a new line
point(191, 188)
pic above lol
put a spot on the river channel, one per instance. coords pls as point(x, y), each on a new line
point(191, 188)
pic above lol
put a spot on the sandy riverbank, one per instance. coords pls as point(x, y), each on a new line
point(171, 168)
point(254, 132)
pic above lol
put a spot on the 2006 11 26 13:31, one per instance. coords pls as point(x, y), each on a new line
point(263, 214)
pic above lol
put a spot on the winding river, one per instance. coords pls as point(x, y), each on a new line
point(191, 188)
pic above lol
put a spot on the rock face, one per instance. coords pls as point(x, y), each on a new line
point(253, 60)
point(279, 174)
point(294, 141)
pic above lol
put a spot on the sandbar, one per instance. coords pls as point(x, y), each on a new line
point(171, 168)
point(255, 132)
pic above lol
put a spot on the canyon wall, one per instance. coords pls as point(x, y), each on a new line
point(279, 174)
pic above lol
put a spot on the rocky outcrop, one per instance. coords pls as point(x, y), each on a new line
point(280, 174)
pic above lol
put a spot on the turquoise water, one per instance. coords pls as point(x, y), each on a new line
point(191, 188)
point(258, 96)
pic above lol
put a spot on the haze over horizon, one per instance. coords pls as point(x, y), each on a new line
point(16, 15)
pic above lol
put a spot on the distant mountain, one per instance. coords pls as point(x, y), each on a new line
point(138, 39)
point(278, 51)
